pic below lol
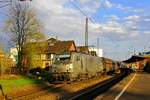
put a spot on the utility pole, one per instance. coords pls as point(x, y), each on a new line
point(98, 52)
point(86, 32)
point(56, 37)
point(134, 52)
point(98, 43)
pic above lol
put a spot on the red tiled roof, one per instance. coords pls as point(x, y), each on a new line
point(52, 46)
point(61, 47)
point(134, 59)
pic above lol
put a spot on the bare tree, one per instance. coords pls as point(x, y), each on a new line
point(23, 26)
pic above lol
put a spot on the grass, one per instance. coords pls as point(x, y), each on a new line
point(8, 84)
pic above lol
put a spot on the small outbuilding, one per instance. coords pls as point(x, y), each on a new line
point(137, 62)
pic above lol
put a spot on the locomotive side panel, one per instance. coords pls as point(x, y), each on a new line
point(87, 65)
point(96, 65)
point(77, 65)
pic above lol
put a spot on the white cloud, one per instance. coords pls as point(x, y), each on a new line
point(69, 22)
point(146, 32)
point(56, 17)
point(61, 19)
point(132, 18)
point(147, 19)
point(107, 4)
point(112, 17)
point(114, 31)
point(125, 9)
point(138, 10)
point(89, 6)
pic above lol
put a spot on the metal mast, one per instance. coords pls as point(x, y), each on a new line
point(86, 32)
point(97, 43)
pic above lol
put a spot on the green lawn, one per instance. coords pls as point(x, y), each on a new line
point(9, 84)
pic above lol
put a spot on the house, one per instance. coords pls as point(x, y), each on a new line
point(1, 60)
point(13, 54)
point(90, 51)
point(96, 52)
point(1, 54)
point(5, 62)
point(137, 62)
point(146, 54)
point(43, 53)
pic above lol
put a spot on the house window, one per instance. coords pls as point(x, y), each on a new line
point(46, 64)
point(37, 57)
point(48, 56)
point(43, 56)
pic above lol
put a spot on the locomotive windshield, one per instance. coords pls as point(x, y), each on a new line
point(65, 58)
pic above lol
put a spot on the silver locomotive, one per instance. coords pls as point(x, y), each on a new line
point(78, 66)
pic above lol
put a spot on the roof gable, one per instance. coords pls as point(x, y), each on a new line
point(62, 47)
point(52, 46)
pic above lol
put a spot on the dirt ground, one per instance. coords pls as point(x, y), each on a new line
point(51, 91)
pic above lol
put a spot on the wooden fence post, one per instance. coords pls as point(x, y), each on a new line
point(6, 98)
point(1, 89)
point(0, 70)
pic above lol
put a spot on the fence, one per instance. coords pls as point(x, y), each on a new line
point(13, 70)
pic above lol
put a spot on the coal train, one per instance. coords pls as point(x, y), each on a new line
point(78, 66)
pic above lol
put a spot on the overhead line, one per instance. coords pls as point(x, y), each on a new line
point(81, 11)
point(5, 5)
point(108, 14)
point(78, 8)
point(5, 1)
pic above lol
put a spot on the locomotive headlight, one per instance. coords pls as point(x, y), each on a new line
point(70, 67)
point(53, 68)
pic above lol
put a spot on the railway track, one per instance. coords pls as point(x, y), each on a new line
point(91, 92)
point(37, 94)
point(48, 91)
point(85, 94)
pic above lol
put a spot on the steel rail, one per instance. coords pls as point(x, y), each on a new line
point(92, 92)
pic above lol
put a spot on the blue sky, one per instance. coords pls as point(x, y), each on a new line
point(121, 25)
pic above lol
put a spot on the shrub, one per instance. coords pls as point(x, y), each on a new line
point(35, 70)
point(45, 75)
point(147, 67)
point(39, 73)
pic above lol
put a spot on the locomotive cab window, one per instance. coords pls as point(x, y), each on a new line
point(62, 58)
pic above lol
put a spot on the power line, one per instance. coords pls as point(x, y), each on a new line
point(103, 31)
point(78, 8)
point(81, 11)
point(5, 1)
point(5, 5)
